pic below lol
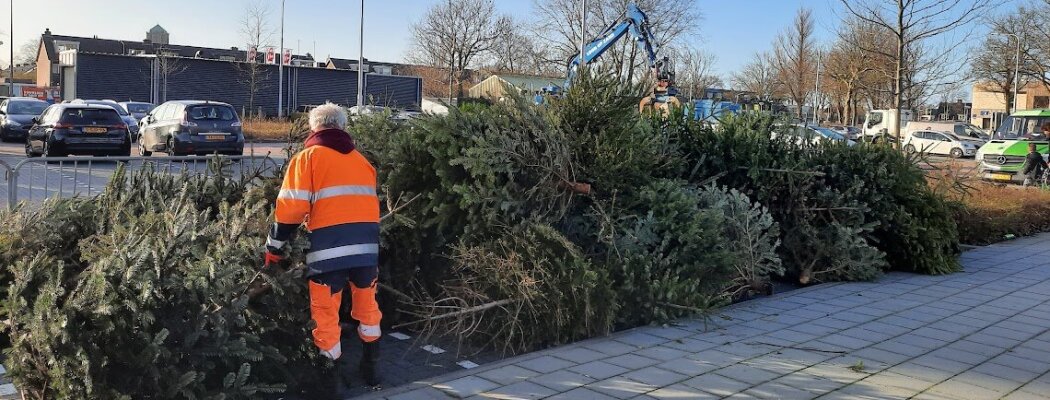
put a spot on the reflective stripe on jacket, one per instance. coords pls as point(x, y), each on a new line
point(335, 195)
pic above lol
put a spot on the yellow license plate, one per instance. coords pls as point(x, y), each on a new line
point(1002, 177)
point(216, 137)
point(95, 129)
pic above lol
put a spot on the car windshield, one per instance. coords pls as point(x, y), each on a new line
point(26, 107)
point(211, 113)
point(90, 116)
point(139, 108)
point(1022, 128)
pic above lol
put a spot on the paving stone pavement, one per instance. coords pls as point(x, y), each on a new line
point(979, 334)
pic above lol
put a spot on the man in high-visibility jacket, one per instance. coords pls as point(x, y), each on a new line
point(332, 188)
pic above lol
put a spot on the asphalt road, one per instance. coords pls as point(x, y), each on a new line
point(86, 176)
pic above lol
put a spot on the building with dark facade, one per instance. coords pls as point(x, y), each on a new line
point(157, 72)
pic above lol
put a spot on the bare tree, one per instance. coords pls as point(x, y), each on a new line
point(454, 34)
point(558, 26)
point(27, 53)
point(847, 66)
point(694, 70)
point(759, 77)
point(257, 32)
point(911, 24)
point(517, 52)
point(794, 54)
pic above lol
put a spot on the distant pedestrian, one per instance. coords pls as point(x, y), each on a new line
point(1034, 165)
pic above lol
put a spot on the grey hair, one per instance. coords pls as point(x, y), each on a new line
point(327, 116)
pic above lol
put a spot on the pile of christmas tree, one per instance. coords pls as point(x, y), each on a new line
point(510, 226)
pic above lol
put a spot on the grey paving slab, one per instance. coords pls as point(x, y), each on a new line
point(544, 364)
point(562, 381)
point(519, 391)
point(979, 334)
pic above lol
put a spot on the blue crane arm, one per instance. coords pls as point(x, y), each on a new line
point(636, 23)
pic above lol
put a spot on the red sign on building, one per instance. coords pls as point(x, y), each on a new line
point(252, 52)
point(270, 59)
point(287, 57)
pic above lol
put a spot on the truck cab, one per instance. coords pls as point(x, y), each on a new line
point(879, 123)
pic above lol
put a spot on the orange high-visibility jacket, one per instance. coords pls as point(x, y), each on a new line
point(335, 194)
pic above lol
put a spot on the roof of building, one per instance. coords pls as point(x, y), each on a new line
point(343, 63)
point(157, 29)
point(526, 81)
point(123, 47)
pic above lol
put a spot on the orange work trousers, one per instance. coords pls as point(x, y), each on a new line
point(326, 294)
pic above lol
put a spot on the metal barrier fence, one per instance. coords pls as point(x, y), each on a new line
point(34, 179)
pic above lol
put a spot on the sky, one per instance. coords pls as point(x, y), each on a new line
point(733, 30)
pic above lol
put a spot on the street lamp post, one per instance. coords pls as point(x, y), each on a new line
point(816, 94)
point(280, 69)
point(11, 81)
point(1017, 66)
point(361, 62)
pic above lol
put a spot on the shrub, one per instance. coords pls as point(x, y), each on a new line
point(988, 213)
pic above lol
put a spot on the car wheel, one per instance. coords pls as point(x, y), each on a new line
point(171, 148)
point(956, 153)
point(48, 152)
point(909, 149)
point(142, 148)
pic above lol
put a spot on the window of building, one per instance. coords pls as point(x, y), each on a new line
point(1041, 102)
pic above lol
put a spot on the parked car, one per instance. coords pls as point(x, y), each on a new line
point(960, 129)
point(812, 135)
point(83, 129)
point(192, 127)
point(16, 117)
point(943, 143)
point(395, 115)
point(133, 124)
point(850, 132)
point(137, 109)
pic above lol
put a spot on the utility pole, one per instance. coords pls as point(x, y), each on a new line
point(11, 79)
point(280, 69)
point(816, 94)
point(583, 33)
point(361, 63)
point(1017, 67)
point(1017, 70)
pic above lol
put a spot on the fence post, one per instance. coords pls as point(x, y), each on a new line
point(12, 187)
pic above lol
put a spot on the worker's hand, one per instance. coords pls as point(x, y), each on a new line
point(271, 258)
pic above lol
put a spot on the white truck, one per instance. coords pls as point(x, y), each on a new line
point(879, 123)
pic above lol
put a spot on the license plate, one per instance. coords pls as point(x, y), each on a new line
point(95, 129)
point(216, 137)
point(1002, 177)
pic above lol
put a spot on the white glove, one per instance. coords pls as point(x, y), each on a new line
point(334, 352)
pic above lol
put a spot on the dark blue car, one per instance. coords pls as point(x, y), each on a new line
point(16, 117)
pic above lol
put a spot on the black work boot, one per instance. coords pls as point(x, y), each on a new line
point(370, 364)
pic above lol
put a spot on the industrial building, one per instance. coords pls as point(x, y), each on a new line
point(156, 71)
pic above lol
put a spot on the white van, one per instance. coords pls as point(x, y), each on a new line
point(880, 122)
point(960, 129)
